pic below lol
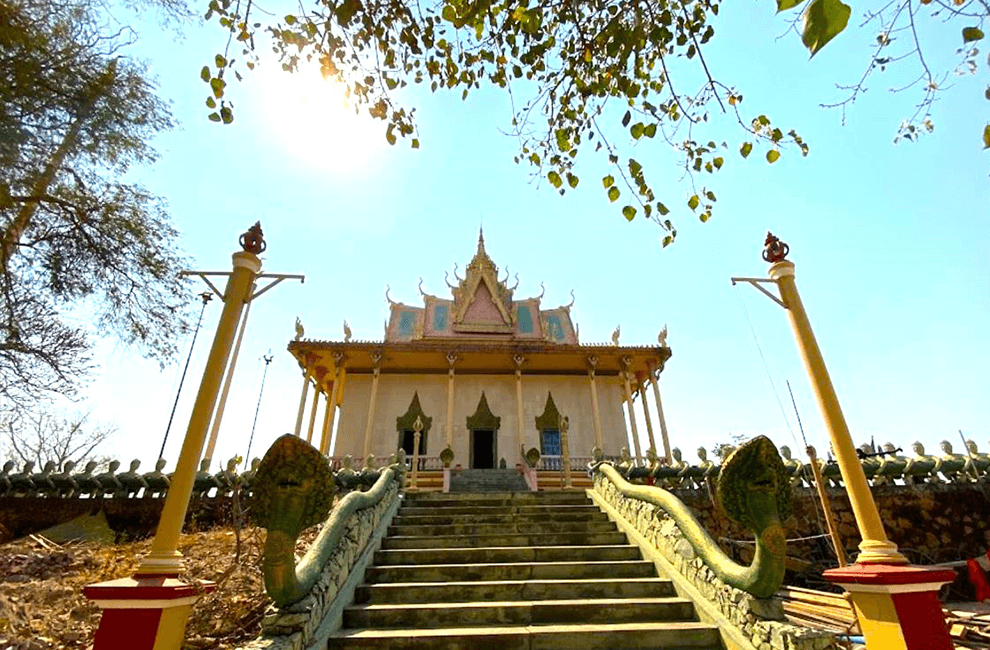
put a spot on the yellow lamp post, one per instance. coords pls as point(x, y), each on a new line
point(149, 610)
point(896, 604)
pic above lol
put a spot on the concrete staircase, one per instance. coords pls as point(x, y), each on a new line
point(488, 480)
point(514, 571)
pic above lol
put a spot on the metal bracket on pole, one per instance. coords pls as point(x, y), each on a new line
point(756, 282)
point(278, 277)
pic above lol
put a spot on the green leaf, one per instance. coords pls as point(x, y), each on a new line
point(415, 143)
point(608, 181)
point(204, 74)
point(211, 103)
point(214, 117)
point(667, 241)
point(971, 34)
point(572, 180)
point(554, 179)
point(650, 130)
point(290, 20)
point(637, 130)
point(693, 202)
point(389, 135)
point(745, 149)
point(784, 5)
point(626, 118)
point(613, 194)
point(226, 114)
point(662, 209)
point(718, 162)
point(772, 156)
point(220, 61)
point(823, 21)
point(629, 212)
point(986, 137)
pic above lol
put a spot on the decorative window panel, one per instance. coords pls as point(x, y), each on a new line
point(407, 321)
point(550, 442)
point(440, 315)
point(525, 318)
point(555, 327)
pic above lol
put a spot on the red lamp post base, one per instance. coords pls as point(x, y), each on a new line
point(144, 612)
point(897, 605)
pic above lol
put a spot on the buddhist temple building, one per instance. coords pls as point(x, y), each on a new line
point(483, 372)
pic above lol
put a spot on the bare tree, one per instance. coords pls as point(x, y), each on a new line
point(46, 436)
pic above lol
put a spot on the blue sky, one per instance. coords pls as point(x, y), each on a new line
point(890, 243)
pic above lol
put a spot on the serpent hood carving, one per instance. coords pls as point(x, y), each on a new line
point(753, 490)
point(293, 490)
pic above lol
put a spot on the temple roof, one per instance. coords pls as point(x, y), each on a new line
point(481, 307)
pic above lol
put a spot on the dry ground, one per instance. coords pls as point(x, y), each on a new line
point(42, 606)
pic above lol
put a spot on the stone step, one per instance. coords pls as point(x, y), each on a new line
point(477, 541)
point(598, 610)
point(502, 590)
point(595, 636)
point(464, 555)
point(509, 571)
point(496, 509)
point(441, 518)
point(519, 528)
point(496, 498)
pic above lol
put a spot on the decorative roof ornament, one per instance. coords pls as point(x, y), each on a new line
point(662, 336)
point(516, 285)
point(253, 241)
point(420, 287)
point(615, 335)
point(299, 329)
point(387, 297)
point(446, 279)
point(457, 277)
point(774, 250)
point(543, 290)
point(568, 306)
point(347, 332)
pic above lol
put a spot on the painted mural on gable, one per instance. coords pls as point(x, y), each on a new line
point(481, 306)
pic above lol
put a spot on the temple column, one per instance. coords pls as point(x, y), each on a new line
point(593, 361)
point(641, 387)
point(314, 409)
point(519, 359)
point(632, 414)
point(302, 401)
point(449, 429)
point(338, 390)
point(663, 423)
point(376, 358)
point(330, 413)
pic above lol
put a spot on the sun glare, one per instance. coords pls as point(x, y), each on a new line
point(311, 122)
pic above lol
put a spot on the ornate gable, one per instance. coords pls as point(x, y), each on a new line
point(482, 302)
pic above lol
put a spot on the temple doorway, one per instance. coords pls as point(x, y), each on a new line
point(483, 449)
point(483, 427)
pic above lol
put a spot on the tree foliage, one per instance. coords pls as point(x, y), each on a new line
point(44, 436)
point(75, 115)
point(583, 74)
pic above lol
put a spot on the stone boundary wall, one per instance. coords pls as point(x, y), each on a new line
point(761, 621)
point(297, 626)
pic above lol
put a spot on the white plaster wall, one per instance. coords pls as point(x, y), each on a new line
point(571, 394)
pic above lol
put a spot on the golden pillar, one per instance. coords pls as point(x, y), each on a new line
point(875, 547)
point(328, 415)
point(663, 422)
point(376, 359)
point(218, 417)
point(632, 415)
point(315, 408)
point(302, 401)
point(451, 358)
point(641, 386)
point(339, 386)
point(519, 359)
point(164, 558)
point(593, 362)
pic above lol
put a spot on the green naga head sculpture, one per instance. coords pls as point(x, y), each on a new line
point(752, 480)
point(293, 488)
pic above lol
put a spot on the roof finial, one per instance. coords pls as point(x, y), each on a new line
point(481, 239)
